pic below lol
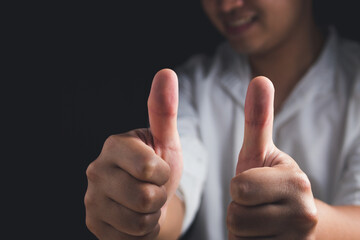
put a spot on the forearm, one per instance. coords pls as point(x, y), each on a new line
point(337, 222)
point(170, 229)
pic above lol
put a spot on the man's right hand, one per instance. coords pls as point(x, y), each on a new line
point(137, 173)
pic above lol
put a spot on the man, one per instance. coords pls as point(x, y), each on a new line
point(298, 178)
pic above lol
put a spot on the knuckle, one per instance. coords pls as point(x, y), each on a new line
point(88, 200)
point(152, 235)
point(243, 189)
point(143, 224)
point(161, 195)
point(231, 218)
point(110, 142)
point(311, 216)
point(92, 171)
point(147, 167)
point(146, 224)
point(240, 189)
point(301, 182)
point(307, 217)
point(305, 214)
point(147, 199)
point(91, 225)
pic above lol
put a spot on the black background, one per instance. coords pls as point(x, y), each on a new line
point(108, 55)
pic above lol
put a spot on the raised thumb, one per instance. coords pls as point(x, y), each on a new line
point(163, 107)
point(259, 115)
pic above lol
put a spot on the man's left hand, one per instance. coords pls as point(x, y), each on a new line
point(271, 196)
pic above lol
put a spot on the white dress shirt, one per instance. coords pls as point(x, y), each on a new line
point(318, 126)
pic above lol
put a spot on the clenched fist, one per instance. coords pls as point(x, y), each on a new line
point(137, 173)
point(271, 196)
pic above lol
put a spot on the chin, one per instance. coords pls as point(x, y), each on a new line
point(242, 48)
point(247, 47)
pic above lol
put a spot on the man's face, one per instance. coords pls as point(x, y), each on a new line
point(257, 26)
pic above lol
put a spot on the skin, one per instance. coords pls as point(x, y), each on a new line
point(282, 28)
point(131, 184)
point(271, 196)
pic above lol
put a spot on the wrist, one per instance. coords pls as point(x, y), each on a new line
point(172, 215)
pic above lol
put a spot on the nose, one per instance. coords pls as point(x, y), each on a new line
point(229, 5)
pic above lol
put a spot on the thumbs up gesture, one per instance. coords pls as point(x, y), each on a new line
point(271, 196)
point(137, 173)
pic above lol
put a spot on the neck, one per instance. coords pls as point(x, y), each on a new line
point(286, 64)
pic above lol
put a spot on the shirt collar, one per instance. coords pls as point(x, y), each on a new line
point(236, 75)
point(318, 79)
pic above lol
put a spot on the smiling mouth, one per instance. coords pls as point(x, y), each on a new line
point(240, 25)
point(242, 21)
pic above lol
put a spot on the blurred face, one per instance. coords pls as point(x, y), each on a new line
point(257, 26)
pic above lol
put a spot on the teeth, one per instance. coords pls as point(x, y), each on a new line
point(241, 21)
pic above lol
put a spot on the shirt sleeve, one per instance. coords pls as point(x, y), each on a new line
point(348, 192)
point(194, 154)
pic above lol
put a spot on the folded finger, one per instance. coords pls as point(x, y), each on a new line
point(130, 153)
point(258, 221)
point(127, 221)
point(259, 186)
point(121, 187)
point(103, 230)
